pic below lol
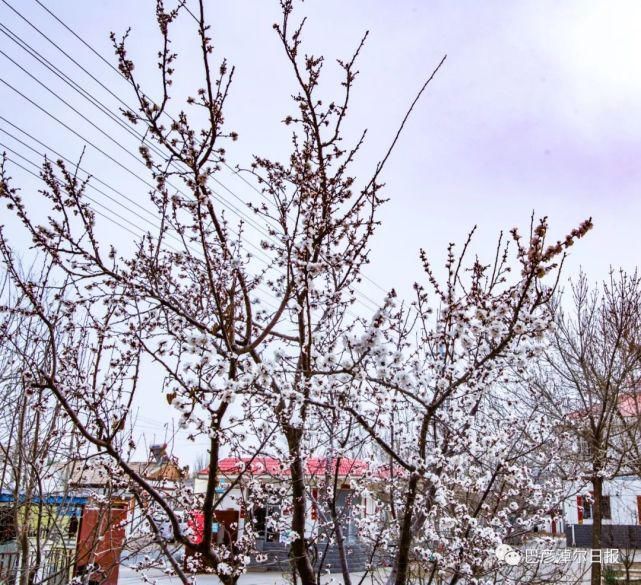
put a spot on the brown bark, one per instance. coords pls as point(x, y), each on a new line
point(401, 563)
point(338, 530)
point(299, 508)
point(597, 526)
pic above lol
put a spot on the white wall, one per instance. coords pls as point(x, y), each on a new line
point(623, 494)
point(231, 501)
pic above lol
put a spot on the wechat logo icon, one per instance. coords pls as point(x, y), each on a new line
point(507, 554)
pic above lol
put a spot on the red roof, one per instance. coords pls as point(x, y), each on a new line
point(629, 405)
point(271, 466)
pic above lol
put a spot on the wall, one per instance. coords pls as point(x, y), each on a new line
point(623, 494)
point(100, 540)
point(612, 536)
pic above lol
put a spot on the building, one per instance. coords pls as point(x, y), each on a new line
point(83, 522)
point(270, 520)
point(75, 535)
point(621, 510)
point(621, 499)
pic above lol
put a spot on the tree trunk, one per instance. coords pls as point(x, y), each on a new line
point(24, 556)
point(340, 543)
point(597, 522)
point(298, 549)
point(399, 573)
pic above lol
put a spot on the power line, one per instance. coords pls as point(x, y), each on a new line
point(98, 104)
point(37, 176)
point(107, 112)
point(198, 253)
point(151, 221)
point(68, 161)
point(140, 230)
point(261, 257)
point(68, 80)
point(127, 151)
point(103, 108)
point(119, 73)
point(120, 204)
point(100, 150)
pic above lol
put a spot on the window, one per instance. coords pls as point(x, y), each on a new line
point(583, 448)
point(7, 524)
point(345, 503)
point(265, 521)
point(260, 521)
point(606, 513)
point(72, 527)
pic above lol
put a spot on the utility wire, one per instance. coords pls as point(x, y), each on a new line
point(98, 104)
point(100, 150)
point(153, 217)
point(140, 230)
point(193, 250)
point(119, 73)
point(37, 176)
point(106, 111)
point(251, 185)
point(103, 108)
point(69, 161)
point(260, 252)
point(118, 120)
point(135, 157)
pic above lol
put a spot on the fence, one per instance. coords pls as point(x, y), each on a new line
point(55, 569)
point(8, 567)
point(58, 567)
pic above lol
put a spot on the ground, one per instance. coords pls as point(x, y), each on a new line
point(129, 577)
